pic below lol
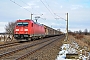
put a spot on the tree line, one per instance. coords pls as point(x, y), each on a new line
point(80, 32)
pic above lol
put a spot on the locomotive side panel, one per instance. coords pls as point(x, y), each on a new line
point(38, 30)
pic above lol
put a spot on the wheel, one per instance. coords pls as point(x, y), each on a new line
point(29, 39)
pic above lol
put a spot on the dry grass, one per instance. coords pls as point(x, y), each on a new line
point(82, 40)
point(87, 40)
point(79, 36)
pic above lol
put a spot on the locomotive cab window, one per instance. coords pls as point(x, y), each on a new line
point(19, 23)
point(22, 23)
point(25, 23)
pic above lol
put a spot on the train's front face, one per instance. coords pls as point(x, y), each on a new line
point(21, 30)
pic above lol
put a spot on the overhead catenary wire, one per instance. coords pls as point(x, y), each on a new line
point(60, 17)
point(54, 13)
point(51, 11)
point(25, 3)
point(20, 5)
point(31, 8)
point(47, 8)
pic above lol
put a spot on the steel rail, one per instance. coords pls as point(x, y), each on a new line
point(9, 45)
point(31, 52)
point(19, 49)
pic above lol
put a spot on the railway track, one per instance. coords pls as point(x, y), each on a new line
point(20, 52)
point(9, 45)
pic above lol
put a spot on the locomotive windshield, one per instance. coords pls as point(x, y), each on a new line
point(22, 23)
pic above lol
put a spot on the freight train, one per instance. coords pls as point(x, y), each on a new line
point(30, 30)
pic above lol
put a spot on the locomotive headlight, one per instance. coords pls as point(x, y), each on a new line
point(17, 29)
point(25, 29)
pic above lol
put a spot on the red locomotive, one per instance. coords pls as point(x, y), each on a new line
point(29, 30)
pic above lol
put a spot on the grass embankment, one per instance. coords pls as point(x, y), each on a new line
point(82, 40)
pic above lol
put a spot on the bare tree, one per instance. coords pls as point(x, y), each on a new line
point(80, 32)
point(10, 27)
point(86, 32)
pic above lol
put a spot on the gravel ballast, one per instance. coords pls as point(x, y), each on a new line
point(47, 53)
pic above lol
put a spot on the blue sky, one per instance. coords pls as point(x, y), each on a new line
point(78, 10)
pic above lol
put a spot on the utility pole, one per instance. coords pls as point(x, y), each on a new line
point(31, 16)
point(67, 26)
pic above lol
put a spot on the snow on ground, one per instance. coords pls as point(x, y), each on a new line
point(64, 50)
point(71, 49)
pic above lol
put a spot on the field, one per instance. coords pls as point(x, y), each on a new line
point(82, 40)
